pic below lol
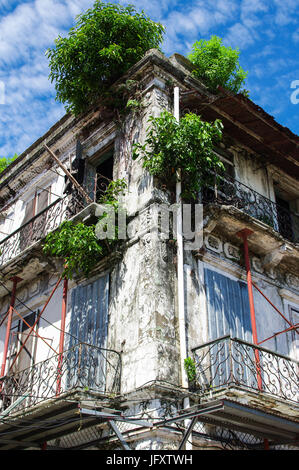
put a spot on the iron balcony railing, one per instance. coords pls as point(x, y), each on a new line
point(84, 367)
point(47, 220)
point(227, 362)
point(38, 227)
point(228, 191)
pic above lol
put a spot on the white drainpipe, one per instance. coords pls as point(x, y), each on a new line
point(180, 274)
point(180, 257)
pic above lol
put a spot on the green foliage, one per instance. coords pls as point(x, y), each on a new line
point(77, 243)
point(106, 40)
point(4, 162)
point(134, 104)
point(115, 189)
point(186, 145)
point(190, 368)
point(217, 65)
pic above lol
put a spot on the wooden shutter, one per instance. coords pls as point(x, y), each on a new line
point(19, 334)
point(228, 307)
point(229, 314)
point(43, 200)
point(90, 313)
point(89, 324)
point(29, 211)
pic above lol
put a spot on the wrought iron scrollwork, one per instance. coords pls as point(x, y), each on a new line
point(228, 191)
point(229, 361)
point(83, 367)
point(39, 226)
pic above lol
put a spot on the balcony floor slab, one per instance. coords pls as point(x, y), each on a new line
point(252, 420)
point(30, 428)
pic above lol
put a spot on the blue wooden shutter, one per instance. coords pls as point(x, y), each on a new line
point(89, 324)
point(228, 307)
point(228, 314)
point(89, 317)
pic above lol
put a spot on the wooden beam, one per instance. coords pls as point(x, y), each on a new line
point(69, 175)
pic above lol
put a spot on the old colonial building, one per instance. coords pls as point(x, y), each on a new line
point(98, 362)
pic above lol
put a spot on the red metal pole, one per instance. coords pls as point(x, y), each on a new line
point(244, 235)
point(280, 332)
point(10, 314)
point(33, 331)
point(266, 444)
point(275, 308)
point(62, 330)
point(36, 321)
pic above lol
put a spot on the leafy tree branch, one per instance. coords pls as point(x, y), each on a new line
point(186, 145)
point(216, 64)
point(105, 42)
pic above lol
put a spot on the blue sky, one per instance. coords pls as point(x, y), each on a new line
point(265, 31)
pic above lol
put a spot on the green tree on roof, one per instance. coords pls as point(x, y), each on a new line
point(105, 42)
point(4, 162)
point(216, 64)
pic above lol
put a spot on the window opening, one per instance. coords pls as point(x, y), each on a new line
point(19, 333)
point(284, 218)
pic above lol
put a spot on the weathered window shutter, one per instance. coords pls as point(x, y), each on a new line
point(89, 317)
point(228, 307)
point(89, 324)
point(228, 314)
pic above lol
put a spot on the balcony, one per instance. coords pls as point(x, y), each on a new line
point(83, 368)
point(229, 362)
point(47, 220)
point(230, 192)
point(38, 227)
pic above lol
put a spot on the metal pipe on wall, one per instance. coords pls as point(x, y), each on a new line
point(180, 257)
point(180, 275)
point(62, 333)
point(244, 234)
point(15, 281)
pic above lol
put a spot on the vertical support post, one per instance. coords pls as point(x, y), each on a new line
point(244, 234)
point(95, 187)
point(180, 269)
point(15, 281)
point(180, 256)
point(62, 330)
point(266, 444)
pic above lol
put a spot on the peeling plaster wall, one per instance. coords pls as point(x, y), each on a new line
point(142, 315)
point(252, 173)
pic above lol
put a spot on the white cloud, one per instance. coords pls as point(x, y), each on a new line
point(295, 36)
point(239, 36)
point(286, 12)
point(251, 8)
point(25, 33)
point(199, 19)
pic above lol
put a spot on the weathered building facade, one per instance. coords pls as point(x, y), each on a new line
point(97, 362)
